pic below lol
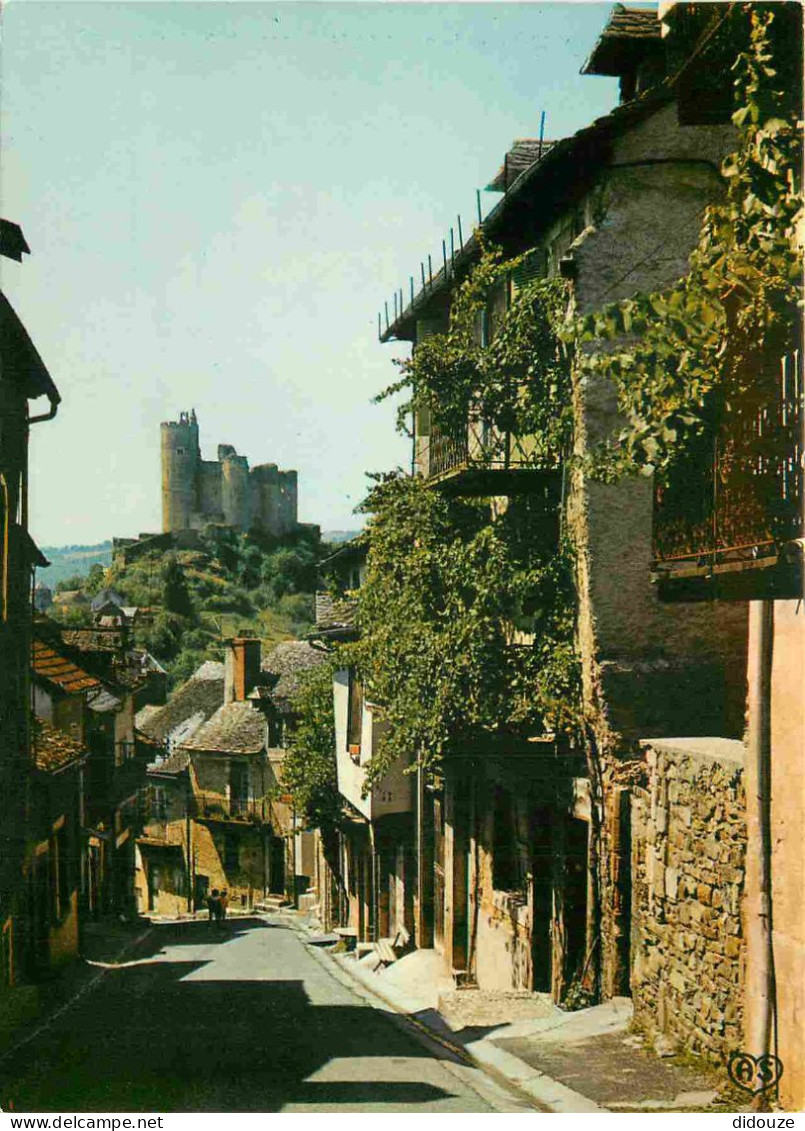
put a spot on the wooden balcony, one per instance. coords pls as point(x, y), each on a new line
point(728, 523)
point(484, 460)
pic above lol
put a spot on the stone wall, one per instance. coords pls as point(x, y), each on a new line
point(688, 858)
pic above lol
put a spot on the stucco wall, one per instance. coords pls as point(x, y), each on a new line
point(788, 859)
point(637, 651)
point(503, 939)
point(688, 870)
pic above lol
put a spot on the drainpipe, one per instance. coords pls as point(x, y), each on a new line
point(760, 958)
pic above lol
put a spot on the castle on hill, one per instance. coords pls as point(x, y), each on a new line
point(225, 491)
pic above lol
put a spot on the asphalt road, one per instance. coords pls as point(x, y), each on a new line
point(238, 1018)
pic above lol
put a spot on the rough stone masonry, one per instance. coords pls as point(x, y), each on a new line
point(688, 859)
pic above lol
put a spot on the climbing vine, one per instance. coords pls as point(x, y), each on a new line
point(444, 587)
point(680, 358)
point(309, 767)
point(503, 361)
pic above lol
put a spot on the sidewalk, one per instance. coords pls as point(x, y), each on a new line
point(586, 1061)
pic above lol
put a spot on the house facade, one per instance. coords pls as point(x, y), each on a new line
point(24, 378)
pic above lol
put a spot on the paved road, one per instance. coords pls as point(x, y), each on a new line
point(239, 1018)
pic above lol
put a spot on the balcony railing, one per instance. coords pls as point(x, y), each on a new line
point(737, 498)
point(483, 458)
point(215, 807)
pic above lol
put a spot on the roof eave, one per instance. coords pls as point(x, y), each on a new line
point(535, 176)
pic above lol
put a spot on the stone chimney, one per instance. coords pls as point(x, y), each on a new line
point(241, 668)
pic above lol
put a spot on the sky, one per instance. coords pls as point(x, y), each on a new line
point(220, 196)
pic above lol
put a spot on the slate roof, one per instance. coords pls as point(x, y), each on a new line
point(567, 163)
point(284, 665)
point(106, 597)
point(20, 358)
point(625, 35)
point(335, 614)
point(99, 639)
point(13, 243)
point(103, 701)
point(145, 713)
point(199, 697)
point(49, 666)
point(235, 728)
point(523, 153)
point(53, 749)
point(175, 763)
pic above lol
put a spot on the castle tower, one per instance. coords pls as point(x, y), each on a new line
point(235, 488)
point(181, 457)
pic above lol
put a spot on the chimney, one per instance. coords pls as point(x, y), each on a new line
point(241, 668)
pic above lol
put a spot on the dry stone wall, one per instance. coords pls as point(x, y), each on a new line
point(688, 856)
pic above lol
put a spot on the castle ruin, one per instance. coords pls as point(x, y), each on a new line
point(226, 491)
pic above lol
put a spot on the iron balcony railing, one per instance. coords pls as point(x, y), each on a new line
point(480, 452)
point(215, 807)
point(737, 498)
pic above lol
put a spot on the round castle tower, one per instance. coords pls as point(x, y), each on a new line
point(181, 457)
point(235, 488)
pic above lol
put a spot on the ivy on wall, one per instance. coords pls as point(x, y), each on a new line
point(680, 358)
point(515, 376)
point(444, 584)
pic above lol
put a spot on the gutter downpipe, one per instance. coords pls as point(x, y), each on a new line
point(760, 956)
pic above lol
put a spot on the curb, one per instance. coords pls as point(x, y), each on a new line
point(549, 1094)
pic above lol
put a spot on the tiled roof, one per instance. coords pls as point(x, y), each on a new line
point(199, 697)
point(284, 664)
point(53, 749)
point(235, 728)
point(55, 669)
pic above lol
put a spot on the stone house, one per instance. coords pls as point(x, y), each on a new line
point(525, 854)
point(374, 873)
point(56, 860)
point(99, 714)
point(24, 810)
point(217, 815)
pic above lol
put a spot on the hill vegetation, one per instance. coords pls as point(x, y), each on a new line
point(194, 599)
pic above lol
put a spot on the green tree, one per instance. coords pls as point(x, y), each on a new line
point(309, 766)
point(175, 594)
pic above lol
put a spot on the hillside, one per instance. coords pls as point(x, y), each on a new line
point(194, 599)
point(73, 561)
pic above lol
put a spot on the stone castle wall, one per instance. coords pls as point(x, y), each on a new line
point(688, 862)
point(197, 492)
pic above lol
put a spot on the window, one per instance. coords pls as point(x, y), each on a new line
point(59, 875)
point(238, 787)
point(180, 451)
point(507, 871)
point(355, 714)
point(231, 853)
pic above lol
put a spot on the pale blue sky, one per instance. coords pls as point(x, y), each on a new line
point(219, 196)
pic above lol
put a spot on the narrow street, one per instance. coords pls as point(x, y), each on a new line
point(234, 1018)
